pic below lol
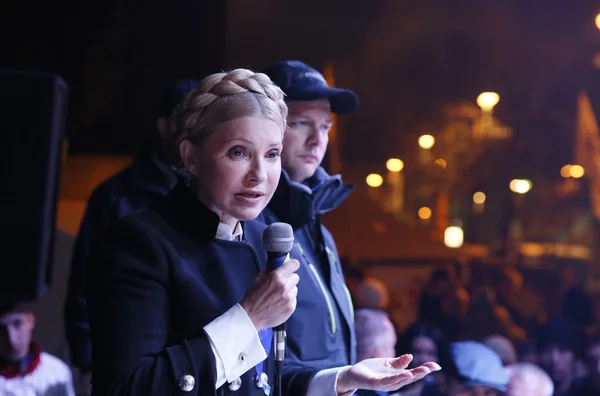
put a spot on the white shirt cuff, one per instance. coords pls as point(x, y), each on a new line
point(235, 343)
point(324, 383)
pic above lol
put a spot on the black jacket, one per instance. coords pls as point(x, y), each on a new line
point(320, 333)
point(139, 186)
point(154, 281)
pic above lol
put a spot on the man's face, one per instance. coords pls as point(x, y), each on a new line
point(458, 389)
point(15, 335)
point(306, 137)
point(558, 362)
point(423, 350)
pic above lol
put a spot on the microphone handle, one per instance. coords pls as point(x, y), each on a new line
point(274, 261)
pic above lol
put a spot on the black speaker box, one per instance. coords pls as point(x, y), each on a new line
point(33, 108)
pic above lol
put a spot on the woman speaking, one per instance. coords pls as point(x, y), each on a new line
point(179, 301)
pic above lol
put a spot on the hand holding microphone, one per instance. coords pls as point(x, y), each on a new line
point(272, 298)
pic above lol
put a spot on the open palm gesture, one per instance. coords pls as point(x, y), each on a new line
point(382, 374)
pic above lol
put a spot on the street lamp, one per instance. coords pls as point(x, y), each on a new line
point(394, 165)
point(577, 171)
point(478, 201)
point(374, 180)
point(453, 237)
point(487, 101)
point(520, 186)
point(395, 179)
point(424, 213)
point(426, 142)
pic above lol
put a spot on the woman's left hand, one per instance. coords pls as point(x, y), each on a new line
point(382, 374)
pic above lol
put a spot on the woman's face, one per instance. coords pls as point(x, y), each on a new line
point(237, 167)
point(423, 350)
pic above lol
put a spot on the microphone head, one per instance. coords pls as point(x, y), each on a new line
point(278, 238)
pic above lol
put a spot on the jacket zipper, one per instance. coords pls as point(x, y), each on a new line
point(321, 286)
point(346, 291)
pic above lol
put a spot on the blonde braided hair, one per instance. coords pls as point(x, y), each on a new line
point(222, 97)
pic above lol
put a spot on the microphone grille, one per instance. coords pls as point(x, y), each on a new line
point(278, 238)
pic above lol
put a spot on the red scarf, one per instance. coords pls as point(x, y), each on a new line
point(24, 367)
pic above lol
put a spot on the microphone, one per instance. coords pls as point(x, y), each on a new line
point(278, 240)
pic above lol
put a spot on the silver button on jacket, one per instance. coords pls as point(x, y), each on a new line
point(186, 383)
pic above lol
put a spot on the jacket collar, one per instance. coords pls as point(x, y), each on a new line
point(187, 213)
point(301, 203)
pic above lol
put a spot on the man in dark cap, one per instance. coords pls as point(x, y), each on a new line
point(321, 331)
point(143, 184)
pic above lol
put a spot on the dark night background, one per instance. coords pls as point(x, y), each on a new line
point(404, 59)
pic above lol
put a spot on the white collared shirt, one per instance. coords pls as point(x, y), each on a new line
point(224, 232)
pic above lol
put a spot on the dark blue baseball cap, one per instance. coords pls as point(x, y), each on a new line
point(476, 364)
point(301, 82)
point(173, 95)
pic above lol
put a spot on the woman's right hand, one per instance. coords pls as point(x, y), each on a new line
point(272, 298)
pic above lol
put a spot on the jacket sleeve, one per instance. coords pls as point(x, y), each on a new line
point(98, 214)
point(128, 297)
point(296, 379)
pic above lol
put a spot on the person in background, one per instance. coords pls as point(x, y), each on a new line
point(321, 331)
point(509, 291)
point(559, 347)
point(474, 370)
point(527, 379)
point(178, 295)
point(444, 302)
point(579, 309)
point(487, 317)
point(143, 184)
point(527, 352)
point(375, 338)
point(425, 343)
point(590, 384)
point(503, 348)
point(372, 293)
point(25, 370)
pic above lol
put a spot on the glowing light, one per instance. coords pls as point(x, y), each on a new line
point(374, 180)
point(479, 197)
point(520, 186)
point(487, 100)
point(441, 163)
point(424, 213)
point(577, 171)
point(565, 171)
point(426, 141)
point(453, 237)
point(394, 165)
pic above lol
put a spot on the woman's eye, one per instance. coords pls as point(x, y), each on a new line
point(273, 154)
point(237, 152)
point(295, 124)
